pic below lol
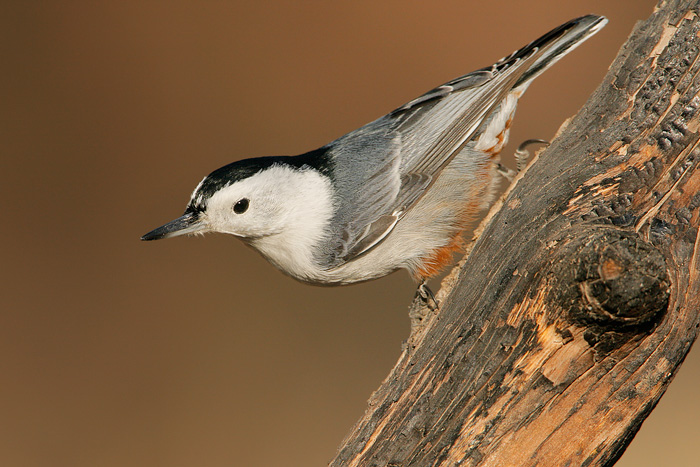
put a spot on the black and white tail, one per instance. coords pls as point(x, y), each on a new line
point(555, 44)
point(539, 55)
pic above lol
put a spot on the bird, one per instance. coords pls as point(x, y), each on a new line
point(397, 193)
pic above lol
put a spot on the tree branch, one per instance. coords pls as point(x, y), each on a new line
point(562, 328)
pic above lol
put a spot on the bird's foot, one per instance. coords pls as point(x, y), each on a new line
point(522, 154)
point(427, 296)
point(421, 309)
point(506, 172)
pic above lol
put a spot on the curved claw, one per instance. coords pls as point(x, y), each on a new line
point(522, 154)
point(427, 296)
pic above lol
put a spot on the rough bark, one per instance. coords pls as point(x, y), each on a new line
point(563, 326)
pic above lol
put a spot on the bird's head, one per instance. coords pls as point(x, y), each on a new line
point(251, 199)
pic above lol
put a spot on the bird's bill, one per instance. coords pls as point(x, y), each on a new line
point(186, 224)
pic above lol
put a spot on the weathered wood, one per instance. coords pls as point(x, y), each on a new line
point(561, 330)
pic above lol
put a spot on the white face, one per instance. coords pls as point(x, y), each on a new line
point(277, 200)
point(248, 208)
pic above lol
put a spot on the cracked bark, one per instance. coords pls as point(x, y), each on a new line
point(569, 317)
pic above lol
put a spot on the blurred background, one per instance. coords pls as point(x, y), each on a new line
point(116, 352)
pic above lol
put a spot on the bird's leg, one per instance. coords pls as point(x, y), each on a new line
point(427, 295)
point(421, 309)
point(507, 173)
point(522, 154)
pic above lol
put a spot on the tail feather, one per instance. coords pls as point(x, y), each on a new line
point(549, 48)
point(554, 45)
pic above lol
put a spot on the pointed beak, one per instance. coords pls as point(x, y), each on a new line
point(186, 224)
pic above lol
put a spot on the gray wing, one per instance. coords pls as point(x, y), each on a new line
point(367, 180)
point(382, 169)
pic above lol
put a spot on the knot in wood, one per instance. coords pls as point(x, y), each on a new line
point(617, 280)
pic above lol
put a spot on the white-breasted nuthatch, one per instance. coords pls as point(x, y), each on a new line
point(395, 193)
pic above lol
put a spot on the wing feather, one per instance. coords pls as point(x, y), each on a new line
point(382, 170)
point(400, 172)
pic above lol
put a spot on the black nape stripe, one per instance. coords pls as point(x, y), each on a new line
point(318, 159)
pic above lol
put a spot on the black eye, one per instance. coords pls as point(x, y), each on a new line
point(241, 206)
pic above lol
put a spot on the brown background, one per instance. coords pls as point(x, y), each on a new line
point(193, 352)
